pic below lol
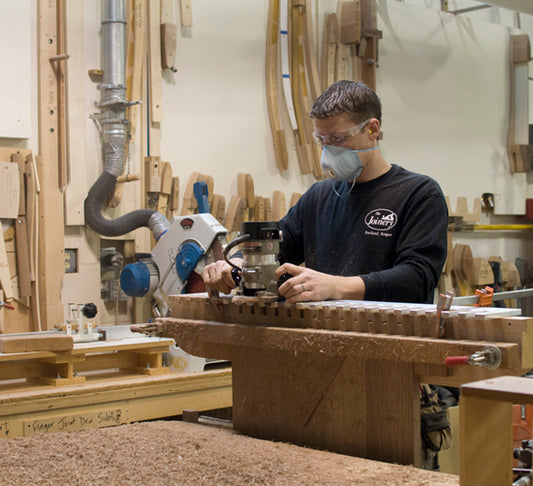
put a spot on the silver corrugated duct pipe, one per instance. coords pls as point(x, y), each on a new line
point(114, 124)
point(113, 87)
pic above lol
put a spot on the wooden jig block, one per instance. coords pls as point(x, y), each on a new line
point(169, 35)
point(295, 196)
point(279, 205)
point(462, 210)
point(186, 13)
point(218, 208)
point(349, 14)
point(259, 209)
point(235, 214)
point(482, 272)
point(245, 190)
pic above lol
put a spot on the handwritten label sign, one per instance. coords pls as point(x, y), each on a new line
point(9, 190)
point(5, 430)
point(71, 423)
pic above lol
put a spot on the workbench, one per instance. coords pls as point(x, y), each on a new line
point(101, 384)
point(342, 376)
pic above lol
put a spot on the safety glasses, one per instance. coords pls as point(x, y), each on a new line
point(341, 137)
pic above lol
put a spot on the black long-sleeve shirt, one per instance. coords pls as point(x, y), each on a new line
point(391, 231)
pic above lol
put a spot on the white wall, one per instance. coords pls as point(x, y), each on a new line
point(443, 79)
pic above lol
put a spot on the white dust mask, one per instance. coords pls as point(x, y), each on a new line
point(341, 163)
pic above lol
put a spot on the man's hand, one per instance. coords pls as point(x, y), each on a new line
point(307, 284)
point(217, 275)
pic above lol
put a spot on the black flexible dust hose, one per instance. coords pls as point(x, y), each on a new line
point(98, 193)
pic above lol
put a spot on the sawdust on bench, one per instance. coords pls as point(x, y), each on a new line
point(179, 453)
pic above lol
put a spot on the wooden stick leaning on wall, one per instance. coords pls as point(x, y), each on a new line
point(310, 50)
point(2, 324)
point(154, 46)
point(272, 80)
point(287, 82)
point(61, 67)
point(310, 83)
point(5, 276)
point(21, 233)
point(329, 50)
point(33, 189)
point(51, 228)
point(306, 152)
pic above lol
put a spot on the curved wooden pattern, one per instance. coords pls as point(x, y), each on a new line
point(272, 82)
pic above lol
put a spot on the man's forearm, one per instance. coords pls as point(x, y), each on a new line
point(348, 288)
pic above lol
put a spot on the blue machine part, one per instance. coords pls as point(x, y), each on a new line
point(200, 193)
point(187, 258)
point(135, 279)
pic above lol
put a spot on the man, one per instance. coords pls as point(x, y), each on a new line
point(373, 231)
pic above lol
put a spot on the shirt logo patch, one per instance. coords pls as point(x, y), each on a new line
point(381, 219)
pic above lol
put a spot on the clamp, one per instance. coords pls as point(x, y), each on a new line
point(489, 357)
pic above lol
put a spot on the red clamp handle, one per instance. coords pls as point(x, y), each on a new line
point(452, 361)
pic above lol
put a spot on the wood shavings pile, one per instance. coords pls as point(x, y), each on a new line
point(179, 453)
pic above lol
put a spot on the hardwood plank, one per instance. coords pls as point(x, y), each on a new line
point(23, 257)
point(51, 210)
point(23, 344)
point(154, 43)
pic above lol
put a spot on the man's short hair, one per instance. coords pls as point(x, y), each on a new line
point(352, 97)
